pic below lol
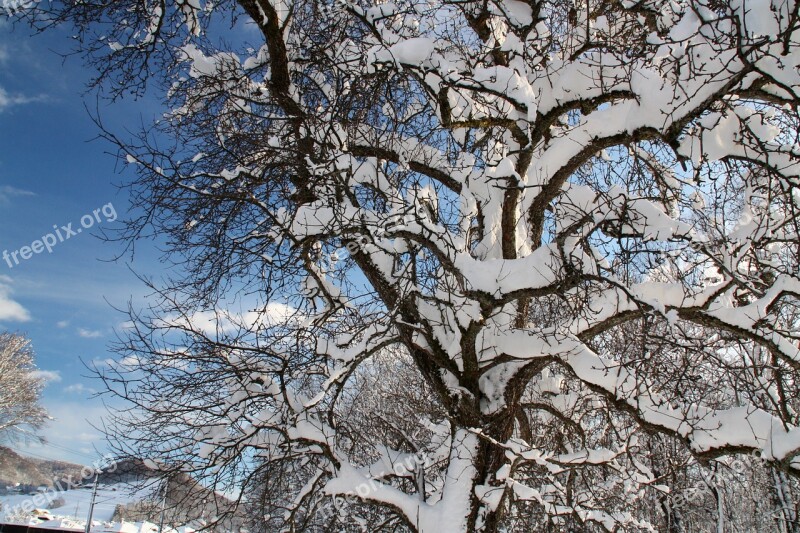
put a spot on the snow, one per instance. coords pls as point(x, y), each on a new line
point(447, 513)
point(686, 28)
point(611, 176)
point(75, 509)
point(508, 82)
point(503, 276)
point(519, 13)
point(202, 65)
point(413, 52)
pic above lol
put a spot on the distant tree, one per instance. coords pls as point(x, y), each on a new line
point(55, 503)
point(20, 388)
point(578, 220)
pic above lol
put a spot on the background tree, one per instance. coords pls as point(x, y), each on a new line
point(20, 388)
point(577, 220)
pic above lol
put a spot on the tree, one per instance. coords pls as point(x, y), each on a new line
point(577, 220)
point(20, 388)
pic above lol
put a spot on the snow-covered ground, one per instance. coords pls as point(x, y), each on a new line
point(72, 514)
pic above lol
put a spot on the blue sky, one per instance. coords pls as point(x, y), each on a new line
point(53, 173)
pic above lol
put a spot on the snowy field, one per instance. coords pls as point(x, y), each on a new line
point(75, 508)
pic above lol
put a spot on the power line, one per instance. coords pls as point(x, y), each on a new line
point(26, 452)
point(66, 449)
point(38, 456)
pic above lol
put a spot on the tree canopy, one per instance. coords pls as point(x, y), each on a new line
point(20, 387)
point(572, 229)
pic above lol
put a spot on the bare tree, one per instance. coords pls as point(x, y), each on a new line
point(577, 220)
point(20, 388)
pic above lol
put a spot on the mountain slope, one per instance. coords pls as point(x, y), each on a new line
point(16, 468)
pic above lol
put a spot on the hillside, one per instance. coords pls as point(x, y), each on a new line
point(16, 468)
point(187, 500)
point(131, 492)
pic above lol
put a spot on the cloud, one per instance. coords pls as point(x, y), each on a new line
point(7, 192)
point(224, 321)
point(89, 333)
point(48, 376)
point(10, 310)
point(71, 429)
point(79, 388)
point(103, 363)
point(127, 325)
point(61, 324)
point(8, 100)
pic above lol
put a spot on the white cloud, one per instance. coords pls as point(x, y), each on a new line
point(71, 428)
point(79, 388)
point(7, 192)
point(8, 100)
point(224, 321)
point(126, 326)
point(103, 363)
point(89, 333)
point(61, 324)
point(10, 310)
point(129, 362)
point(48, 376)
